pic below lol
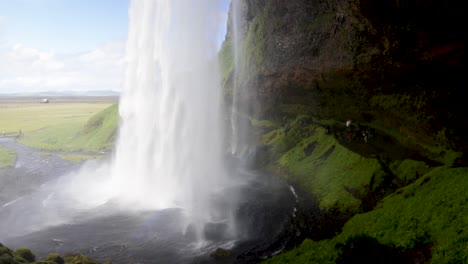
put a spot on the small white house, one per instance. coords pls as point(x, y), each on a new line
point(45, 101)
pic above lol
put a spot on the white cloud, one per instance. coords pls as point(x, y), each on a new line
point(3, 21)
point(26, 69)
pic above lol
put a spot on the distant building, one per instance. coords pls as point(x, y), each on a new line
point(45, 101)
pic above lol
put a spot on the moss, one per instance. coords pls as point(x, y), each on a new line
point(19, 259)
point(309, 251)
point(409, 170)
point(433, 208)
point(6, 259)
point(25, 254)
point(79, 259)
point(431, 211)
point(5, 251)
point(254, 46)
point(316, 161)
point(55, 258)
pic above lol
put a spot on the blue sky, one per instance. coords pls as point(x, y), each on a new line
point(65, 44)
point(64, 25)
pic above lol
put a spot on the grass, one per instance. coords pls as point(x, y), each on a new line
point(434, 208)
point(316, 161)
point(309, 251)
point(56, 126)
point(431, 211)
point(427, 207)
point(77, 158)
point(226, 60)
point(100, 131)
point(32, 117)
point(328, 178)
point(7, 157)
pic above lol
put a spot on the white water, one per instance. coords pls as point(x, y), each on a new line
point(168, 152)
point(169, 149)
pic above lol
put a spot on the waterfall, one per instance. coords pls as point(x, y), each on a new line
point(169, 147)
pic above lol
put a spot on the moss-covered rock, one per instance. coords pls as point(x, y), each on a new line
point(6, 259)
point(55, 258)
point(5, 251)
point(425, 222)
point(26, 254)
point(79, 259)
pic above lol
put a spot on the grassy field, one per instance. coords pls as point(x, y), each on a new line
point(58, 125)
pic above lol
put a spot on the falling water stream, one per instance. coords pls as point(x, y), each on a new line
point(168, 194)
point(168, 153)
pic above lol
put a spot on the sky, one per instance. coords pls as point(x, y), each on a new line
point(66, 45)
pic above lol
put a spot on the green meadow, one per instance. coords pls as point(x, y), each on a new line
point(62, 125)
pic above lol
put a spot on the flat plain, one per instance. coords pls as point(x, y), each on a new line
point(56, 125)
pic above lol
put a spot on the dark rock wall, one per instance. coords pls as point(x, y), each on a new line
point(395, 63)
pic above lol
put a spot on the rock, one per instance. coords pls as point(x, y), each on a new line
point(360, 60)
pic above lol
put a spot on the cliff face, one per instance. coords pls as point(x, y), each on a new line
point(396, 63)
point(396, 69)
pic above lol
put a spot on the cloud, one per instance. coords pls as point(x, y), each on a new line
point(26, 69)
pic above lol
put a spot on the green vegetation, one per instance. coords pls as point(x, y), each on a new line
point(24, 255)
point(316, 161)
point(7, 157)
point(420, 211)
point(226, 60)
point(77, 158)
point(431, 211)
point(254, 45)
point(309, 251)
point(31, 118)
point(67, 127)
point(100, 131)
